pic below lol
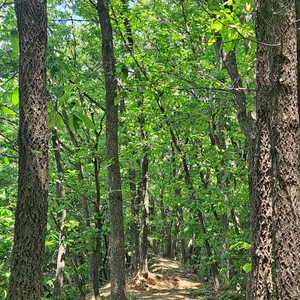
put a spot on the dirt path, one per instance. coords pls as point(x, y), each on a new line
point(168, 280)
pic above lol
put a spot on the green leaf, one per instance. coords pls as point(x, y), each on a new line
point(229, 46)
point(246, 246)
point(224, 177)
point(7, 110)
point(6, 160)
point(52, 119)
point(71, 123)
point(88, 123)
point(58, 90)
point(76, 122)
point(117, 99)
point(15, 96)
point(35, 151)
point(213, 4)
point(124, 70)
point(247, 267)
point(217, 26)
point(14, 41)
point(49, 106)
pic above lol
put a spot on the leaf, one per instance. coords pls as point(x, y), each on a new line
point(14, 41)
point(6, 160)
point(247, 267)
point(60, 122)
point(76, 122)
point(224, 177)
point(246, 246)
point(35, 151)
point(124, 70)
point(58, 90)
point(213, 4)
point(52, 119)
point(15, 96)
point(117, 99)
point(71, 123)
point(7, 110)
point(217, 26)
point(229, 46)
point(89, 124)
point(49, 106)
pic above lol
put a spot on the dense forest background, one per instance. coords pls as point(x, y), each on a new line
point(186, 93)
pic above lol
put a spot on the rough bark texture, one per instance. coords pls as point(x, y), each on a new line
point(114, 176)
point(285, 143)
point(261, 273)
point(60, 193)
point(298, 49)
point(31, 212)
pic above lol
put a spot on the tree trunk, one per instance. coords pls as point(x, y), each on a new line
point(134, 225)
point(32, 204)
point(178, 226)
point(285, 143)
point(60, 193)
point(112, 157)
point(143, 271)
point(145, 212)
point(261, 272)
point(168, 244)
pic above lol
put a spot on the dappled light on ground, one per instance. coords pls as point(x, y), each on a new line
point(167, 280)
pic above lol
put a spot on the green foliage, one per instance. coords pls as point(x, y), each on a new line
point(174, 69)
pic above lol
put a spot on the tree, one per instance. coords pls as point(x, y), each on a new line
point(277, 171)
point(112, 156)
point(31, 212)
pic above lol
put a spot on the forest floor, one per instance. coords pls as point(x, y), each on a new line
point(168, 280)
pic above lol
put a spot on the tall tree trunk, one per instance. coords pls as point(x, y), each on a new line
point(178, 225)
point(285, 144)
point(60, 193)
point(168, 246)
point(32, 204)
point(143, 271)
point(261, 272)
point(114, 176)
point(134, 226)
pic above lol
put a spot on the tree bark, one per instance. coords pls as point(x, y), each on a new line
point(32, 204)
point(112, 157)
point(261, 258)
point(60, 193)
point(285, 143)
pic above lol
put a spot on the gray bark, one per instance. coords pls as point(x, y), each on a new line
point(112, 156)
point(32, 204)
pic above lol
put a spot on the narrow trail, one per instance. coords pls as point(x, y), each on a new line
point(168, 280)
